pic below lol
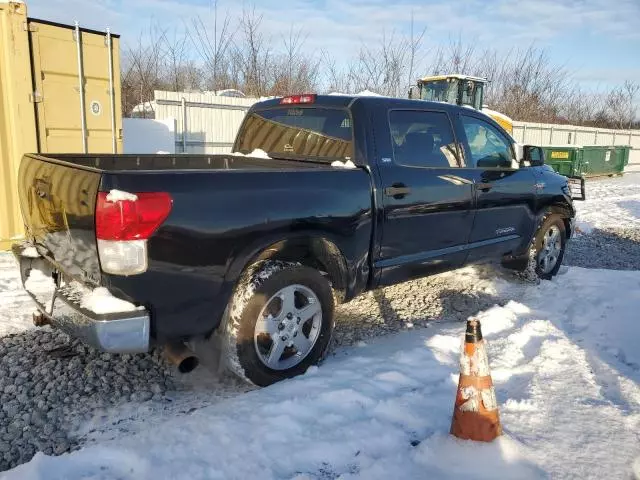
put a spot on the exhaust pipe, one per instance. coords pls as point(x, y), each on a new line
point(182, 357)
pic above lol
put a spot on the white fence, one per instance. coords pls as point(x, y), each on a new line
point(212, 123)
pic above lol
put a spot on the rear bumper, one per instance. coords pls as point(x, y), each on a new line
point(122, 332)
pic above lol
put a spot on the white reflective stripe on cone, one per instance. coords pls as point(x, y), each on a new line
point(489, 398)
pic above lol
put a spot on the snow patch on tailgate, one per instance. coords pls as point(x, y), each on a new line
point(348, 164)
point(257, 153)
point(121, 196)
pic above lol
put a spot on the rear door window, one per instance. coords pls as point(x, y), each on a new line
point(423, 139)
point(320, 133)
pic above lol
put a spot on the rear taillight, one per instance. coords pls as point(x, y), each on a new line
point(295, 99)
point(131, 219)
point(123, 226)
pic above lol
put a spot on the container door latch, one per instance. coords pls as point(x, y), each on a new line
point(35, 97)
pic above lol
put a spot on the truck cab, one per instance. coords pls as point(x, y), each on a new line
point(456, 188)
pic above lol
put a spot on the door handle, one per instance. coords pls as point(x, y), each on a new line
point(397, 190)
point(485, 186)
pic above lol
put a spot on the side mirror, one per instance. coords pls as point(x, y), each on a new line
point(414, 92)
point(533, 155)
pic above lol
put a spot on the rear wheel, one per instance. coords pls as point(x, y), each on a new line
point(280, 322)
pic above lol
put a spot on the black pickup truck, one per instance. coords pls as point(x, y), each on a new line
point(355, 193)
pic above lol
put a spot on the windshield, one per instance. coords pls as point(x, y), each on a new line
point(440, 91)
point(321, 133)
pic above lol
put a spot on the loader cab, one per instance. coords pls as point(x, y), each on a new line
point(460, 90)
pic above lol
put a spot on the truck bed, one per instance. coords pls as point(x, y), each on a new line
point(225, 209)
point(154, 162)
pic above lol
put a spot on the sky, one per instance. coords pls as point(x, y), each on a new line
point(598, 41)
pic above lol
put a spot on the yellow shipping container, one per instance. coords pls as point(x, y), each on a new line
point(57, 94)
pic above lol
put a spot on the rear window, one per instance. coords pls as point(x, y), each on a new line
point(321, 133)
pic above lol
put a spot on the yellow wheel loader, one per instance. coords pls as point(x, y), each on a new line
point(461, 90)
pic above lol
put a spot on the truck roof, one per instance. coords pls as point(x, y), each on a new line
point(347, 101)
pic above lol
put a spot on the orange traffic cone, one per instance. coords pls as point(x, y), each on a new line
point(475, 413)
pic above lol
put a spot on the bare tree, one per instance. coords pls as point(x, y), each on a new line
point(384, 67)
point(179, 72)
point(581, 108)
point(141, 71)
point(213, 49)
point(632, 91)
point(294, 71)
point(253, 53)
point(523, 83)
point(337, 79)
point(414, 47)
point(455, 57)
point(620, 106)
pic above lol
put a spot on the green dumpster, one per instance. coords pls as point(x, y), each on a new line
point(588, 161)
point(566, 160)
point(623, 150)
point(599, 160)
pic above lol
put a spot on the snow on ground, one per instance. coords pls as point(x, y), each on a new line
point(565, 362)
point(634, 163)
point(610, 203)
point(16, 305)
point(566, 374)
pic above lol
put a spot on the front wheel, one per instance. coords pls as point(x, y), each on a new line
point(545, 253)
point(280, 322)
point(550, 244)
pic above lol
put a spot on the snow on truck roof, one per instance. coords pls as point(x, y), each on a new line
point(363, 93)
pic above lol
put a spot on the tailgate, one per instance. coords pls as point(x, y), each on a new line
point(58, 203)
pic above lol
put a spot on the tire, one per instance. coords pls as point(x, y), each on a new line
point(529, 265)
point(553, 230)
point(278, 346)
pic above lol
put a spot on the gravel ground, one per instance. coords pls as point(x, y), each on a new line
point(415, 304)
point(49, 385)
point(615, 249)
